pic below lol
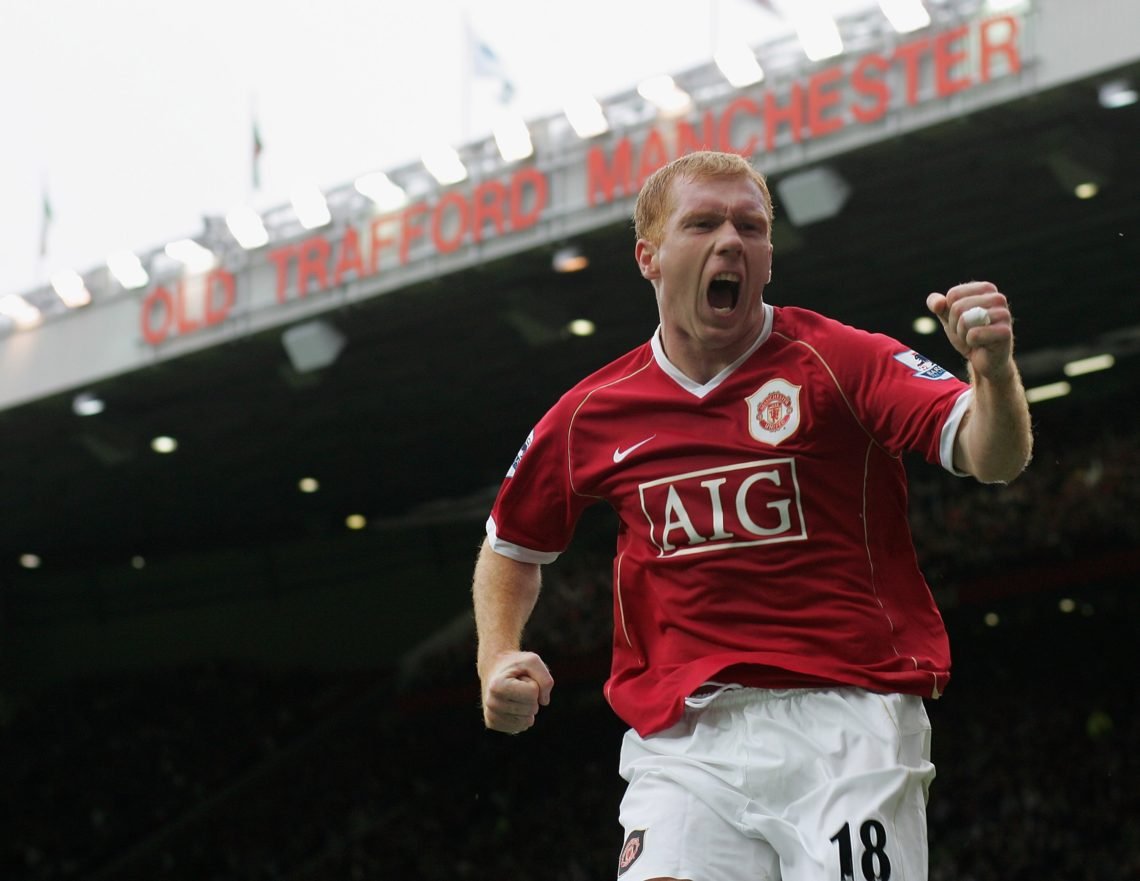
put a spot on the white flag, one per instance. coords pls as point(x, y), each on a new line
point(485, 64)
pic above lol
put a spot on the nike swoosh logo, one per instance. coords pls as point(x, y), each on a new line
point(620, 454)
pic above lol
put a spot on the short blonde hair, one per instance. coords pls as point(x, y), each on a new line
point(655, 201)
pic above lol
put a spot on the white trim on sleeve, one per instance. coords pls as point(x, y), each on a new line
point(950, 430)
point(517, 552)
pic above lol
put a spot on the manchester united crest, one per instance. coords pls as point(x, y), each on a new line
point(631, 850)
point(774, 411)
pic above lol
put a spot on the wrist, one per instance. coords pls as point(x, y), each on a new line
point(487, 659)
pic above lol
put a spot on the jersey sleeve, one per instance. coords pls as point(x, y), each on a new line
point(905, 400)
point(536, 510)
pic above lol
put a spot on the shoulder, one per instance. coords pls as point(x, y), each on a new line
point(586, 415)
point(797, 322)
point(829, 336)
point(629, 368)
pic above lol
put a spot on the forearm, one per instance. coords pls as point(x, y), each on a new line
point(504, 592)
point(995, 442)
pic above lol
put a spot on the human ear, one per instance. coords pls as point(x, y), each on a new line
point(646, 255)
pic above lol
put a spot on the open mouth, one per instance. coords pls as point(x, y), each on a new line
point(724, 291)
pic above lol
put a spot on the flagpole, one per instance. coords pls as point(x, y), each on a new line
point(467, 74)
point(255, 147)
point(45, 227)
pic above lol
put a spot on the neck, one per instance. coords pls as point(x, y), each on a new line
point(702, 364)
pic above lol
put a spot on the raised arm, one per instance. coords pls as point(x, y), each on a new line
point(514, 683)
point(995, 441)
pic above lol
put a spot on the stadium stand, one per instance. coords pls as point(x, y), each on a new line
point(223, 770)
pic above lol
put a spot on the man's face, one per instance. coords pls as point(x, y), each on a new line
point(710, 267)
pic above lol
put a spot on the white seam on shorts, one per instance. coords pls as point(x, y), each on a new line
point(745, 694)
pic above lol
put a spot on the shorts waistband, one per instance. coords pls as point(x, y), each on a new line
point(728, 695)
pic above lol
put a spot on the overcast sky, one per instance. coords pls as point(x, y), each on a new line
point(135, 116)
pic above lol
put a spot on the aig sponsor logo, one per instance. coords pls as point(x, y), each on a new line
point(752, 503)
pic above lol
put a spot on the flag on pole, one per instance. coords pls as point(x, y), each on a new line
point(485, 64)
point(257, 148)
point(45, 222)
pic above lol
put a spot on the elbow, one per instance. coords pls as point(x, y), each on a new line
point(1004, 469)
point(998, 476)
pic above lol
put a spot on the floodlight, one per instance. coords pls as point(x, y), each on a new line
point(378, 187)
point(585, 115)
point(310, 205)
point(738, 64)
point(69, 286)
point(1047, 392)
point(1116, 94)
point(663, 93)
point(925, 325)
point(87, 404)
point(444, 164)
point(127, 269)
point(22, 313)
point(569, 259)
point(1093, 363)
point(512, 138)
point(581, 327)
point(191, 255)
point(905, 15)
point(817, 30)
point(246, 226)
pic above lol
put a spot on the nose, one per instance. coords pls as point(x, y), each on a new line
point(728, 239)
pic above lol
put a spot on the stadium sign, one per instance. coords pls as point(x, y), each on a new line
point(858, 91)
point(494, 208)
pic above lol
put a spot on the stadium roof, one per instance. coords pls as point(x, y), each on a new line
point(439, 383)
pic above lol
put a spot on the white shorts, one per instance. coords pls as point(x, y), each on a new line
point(795, 785)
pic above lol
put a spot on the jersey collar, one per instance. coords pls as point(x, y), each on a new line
point(698, 389)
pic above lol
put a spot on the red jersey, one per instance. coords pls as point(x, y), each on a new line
point(763, 533)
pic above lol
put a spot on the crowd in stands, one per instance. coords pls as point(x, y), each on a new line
point(254, 775)
point(1078, 499)
point(220, 771)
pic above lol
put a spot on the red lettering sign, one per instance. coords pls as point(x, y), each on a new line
point(688, 141)
point(350, 259)
point(528, 197)
point(449, 212)
point(776, 114)
point(195, 303)
point(604, 179)
point(157, 309)
point(946, 59)
point(999, 37)
point(872, 86)
point(814, 108)
point(740, 105)
point(312, 263)
point(487, 205)
point(821, 97)
point(318, 264)
point(911, 55)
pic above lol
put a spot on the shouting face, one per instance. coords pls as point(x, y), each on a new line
point(709, 269)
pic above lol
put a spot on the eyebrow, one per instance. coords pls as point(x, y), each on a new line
point(750, 212)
